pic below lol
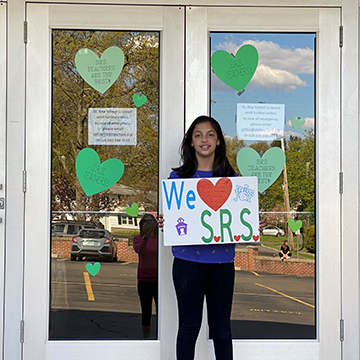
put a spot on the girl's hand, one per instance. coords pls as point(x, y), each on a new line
point(161, 222)
point(262, 224)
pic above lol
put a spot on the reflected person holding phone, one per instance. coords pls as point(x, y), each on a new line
point(145, 246)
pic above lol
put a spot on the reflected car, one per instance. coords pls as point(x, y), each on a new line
point(94, 243)
point(69, 228)
point(272, 231)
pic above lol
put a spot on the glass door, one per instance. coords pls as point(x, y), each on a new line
point(96, 100)
point(265, 77)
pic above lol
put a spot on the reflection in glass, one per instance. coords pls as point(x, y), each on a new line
point(145, 246)
point(274, 298)
point(94, 265)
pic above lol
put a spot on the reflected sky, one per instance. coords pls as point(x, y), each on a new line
point(285, 75)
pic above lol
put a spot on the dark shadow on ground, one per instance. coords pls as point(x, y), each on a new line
point(102, 325)
point(271, 330)
point(97, 325)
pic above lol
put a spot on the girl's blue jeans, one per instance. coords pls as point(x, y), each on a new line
point(192, 282)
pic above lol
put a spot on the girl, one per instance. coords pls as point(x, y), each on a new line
point(146, 247)
point(203, 270)
point(285, 251)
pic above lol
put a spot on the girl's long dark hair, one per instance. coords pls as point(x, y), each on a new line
point(221, 166)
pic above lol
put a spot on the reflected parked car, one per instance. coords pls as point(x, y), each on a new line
point(95, 243)
point(69, 228)
point(272, 231)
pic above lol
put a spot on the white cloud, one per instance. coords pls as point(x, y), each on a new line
point(278, 67)
point(297, 61)
point(268, 78)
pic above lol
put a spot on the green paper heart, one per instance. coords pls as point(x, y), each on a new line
point(100, 73)
point(133, 211)
point(267, 168)
point(95, 177)
point(235, 72)
point(297, 123)
point(294, 225)
point(93, 269)
point(139, 100)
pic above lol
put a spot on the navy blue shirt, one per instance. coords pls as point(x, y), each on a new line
point(215, 254)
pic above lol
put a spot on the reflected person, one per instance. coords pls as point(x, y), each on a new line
point(285, 251)
point(145, 246)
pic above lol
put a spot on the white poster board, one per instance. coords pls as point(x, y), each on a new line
point(210, 211)
point(260, 121)
point(112, 126)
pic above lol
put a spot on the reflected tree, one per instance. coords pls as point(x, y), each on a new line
point(72, 97)
point(300, 162)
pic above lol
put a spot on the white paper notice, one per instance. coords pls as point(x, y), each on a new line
point(260, 121)
point(112, 126)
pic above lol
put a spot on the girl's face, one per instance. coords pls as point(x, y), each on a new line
point(204, 140)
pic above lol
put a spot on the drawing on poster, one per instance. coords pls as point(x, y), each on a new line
point(235, 71)
point(112, 126)
point(95, 177)
point(266, 168)
point(100, 73)
point(210, 211)
point(263, 122)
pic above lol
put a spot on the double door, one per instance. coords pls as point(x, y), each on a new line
point(165, 80)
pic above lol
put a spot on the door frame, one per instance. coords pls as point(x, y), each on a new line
point(350, 168)
point(14, 180)
point(3, 63)
point(16, 126)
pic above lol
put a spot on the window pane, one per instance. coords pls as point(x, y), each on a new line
point(105, 101)
point(274, 296)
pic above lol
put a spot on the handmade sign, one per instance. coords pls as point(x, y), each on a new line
point(266, 168)
point(260, 121)
point(93, 268)
point(139, 100)
point(297, 122)
point(100, 73)
point(210, 211)
point(95, 177)
point(112, 126)
point(235, 71)
point(294, 225)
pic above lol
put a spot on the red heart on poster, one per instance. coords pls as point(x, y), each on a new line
point(216, 195)
point(256, 238)
point(217, 238)
point(237, 237)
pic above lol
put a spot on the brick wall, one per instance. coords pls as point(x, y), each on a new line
point(303, 267)
point(61, 247)
point(248, 259)
point(126, 252)
point(245, 259)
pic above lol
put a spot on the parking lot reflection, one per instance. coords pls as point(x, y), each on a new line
point(265, 306)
